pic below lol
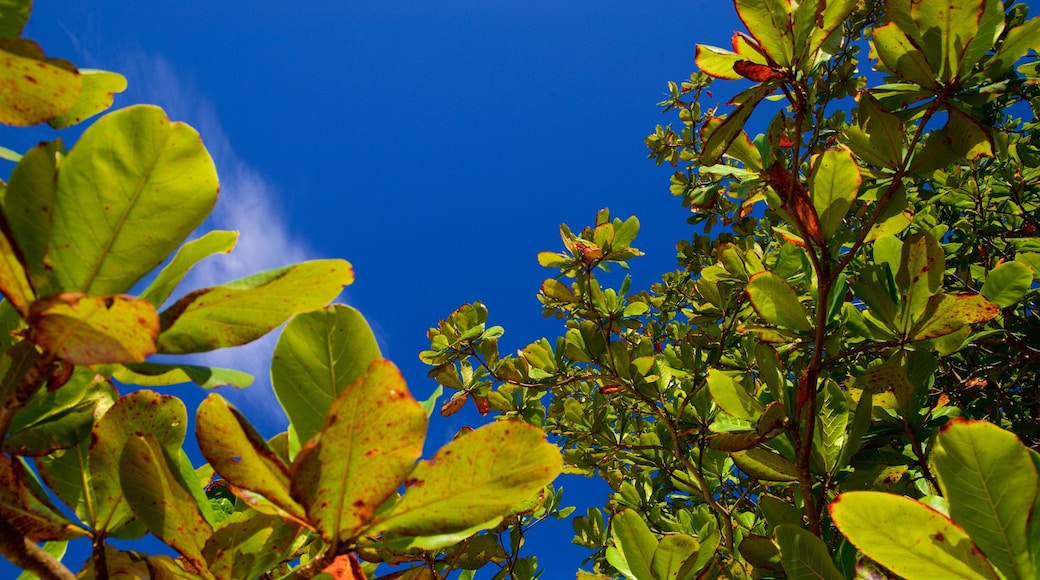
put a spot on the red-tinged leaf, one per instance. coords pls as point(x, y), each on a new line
point(717, 62)
point(769, 22)
point(161, 499)
point(250, 543)
point(948, 313)
point(759, 73)
point(366, 448)
point(483, 405)
point(795, 201)
point(88, 330)
point(919, 277)
point(27, 508)
point(719, 139)
point(345, 567)
point(454, 404)
point(241, 456)
point(899, 55)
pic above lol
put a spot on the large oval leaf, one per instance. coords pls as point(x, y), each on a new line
point(776, 302)
point(246, 309)
point(87, 330)
point(475, 478)
point(129, 192)
point(319, 354)
point(804, 556)
point(990, 481)
point(908, 537)
point(36, 88)
point(368, 445)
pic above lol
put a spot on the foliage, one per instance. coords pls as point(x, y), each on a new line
point(865, 276)
point(79, 230)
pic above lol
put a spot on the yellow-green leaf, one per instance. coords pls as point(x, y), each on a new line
point(948, 313)
point(246, 309)
point(919, 276)
point(98, 91)
point(732, 397)
point(717, 62)
point(26, 507)
point(187, 256)
point(833, 185)
point(35, 88)
point(29, 209)
point(776, 302)
point(367, 446)
point(1007, 283)
point(765, 465)
point(770, 23)
point(804, 556)
point(908, 537)
point(86, 330)
point(474, 479)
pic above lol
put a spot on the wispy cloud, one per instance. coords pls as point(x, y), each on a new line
point(248, 203)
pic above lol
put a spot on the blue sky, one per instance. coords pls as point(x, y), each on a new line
point(436, 146)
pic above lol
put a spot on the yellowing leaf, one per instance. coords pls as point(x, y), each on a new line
point(14, 280)
point(367, 446)
point(717, 62)
point(27, 508)
point(475, 478)
point(769, 22)
point(908, 537)
point(776, 302)
point(36, 88)
point(246, 309)
point(833, 185)
point(86, 330)
point(889, 383)
point(241, 456)
point(948, 313)
point(919, 276)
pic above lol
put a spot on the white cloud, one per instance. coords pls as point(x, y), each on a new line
point(247, 204)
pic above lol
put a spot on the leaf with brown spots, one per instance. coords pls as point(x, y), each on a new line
point(474, 479)
point(345, 567)
point(87, 330)
point(947, 313)
point(759, 73)
point(250, 543)
point(244, 310)
point(27, 508)
point(365, 450)
point(919, 276)
point(161, 498)
point(908, 537)
point(35, 88)
point(241, 456)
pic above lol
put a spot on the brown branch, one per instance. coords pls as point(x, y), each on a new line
point(27, 555)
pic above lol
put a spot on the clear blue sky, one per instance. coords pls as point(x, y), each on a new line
point(435, 145)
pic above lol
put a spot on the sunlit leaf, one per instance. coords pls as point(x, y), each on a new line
point(151, 374)
point(769, 22)
point(948, 313)
point(98, 91)
point(1007, 283)
point(888, 383)
point(946, 30)
point(319, 355)
point(717, 62)
point(14, 279)
point(246, 309)
point(160, 499)
point(732, 397)
point(241, 456)
point(116, 221)
point(776, 302)
point(474, 478)
point(877, 137)
point(36, 88)
point(919, 276)
point(908, 537)
point(248, 544)
point(635, 542)
point(990, 481)
point(718, 140)
point(187, 256)
point(28, 207)
point(814, 21)
point(366, 449)
point(675, 557)
point(833, 185)
point(41, 428)
point(85, 330)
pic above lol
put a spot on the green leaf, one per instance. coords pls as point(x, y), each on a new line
point(114, 221)
point(26, 507)
point(475, 478)
point(636, 543)
point(888, 383)
point(776, 302)
point(36, 88)
point(1019, 41)
point(833, 185)
point(13, 16)
point(160, 499)
point(246, 309)
point(765, 465)
point(899, 55)
point(55, 549)
point(815, 21)
point(160, 416)
point(717, 62)
point(98, 91)
point(29, 208)
point(367, 446)
point(948, 313)
point(908, 537)
point(946, 30)
point(187, 256)
point(877, 136)
point(1007, 283)
point(832, 420)
point(150, 374)
point(248, 544)
point(674, 557)
point(804, 556)
point(66, 422)
point(241, 456)
point(86, 330)
point(318, 356)
point(919, 276)
point(721, 135)
point(769, 22)
point(732, 397)
point(14, 279)
point(990, 481)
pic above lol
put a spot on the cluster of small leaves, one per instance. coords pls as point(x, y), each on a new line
point(866, 274)
point(81, 228)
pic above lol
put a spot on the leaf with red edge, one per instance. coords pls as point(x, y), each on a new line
point(717, 62)
point(948, 313)
point(718, 141)
point(345, 567)
point(770, 23)
point(88, 330)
